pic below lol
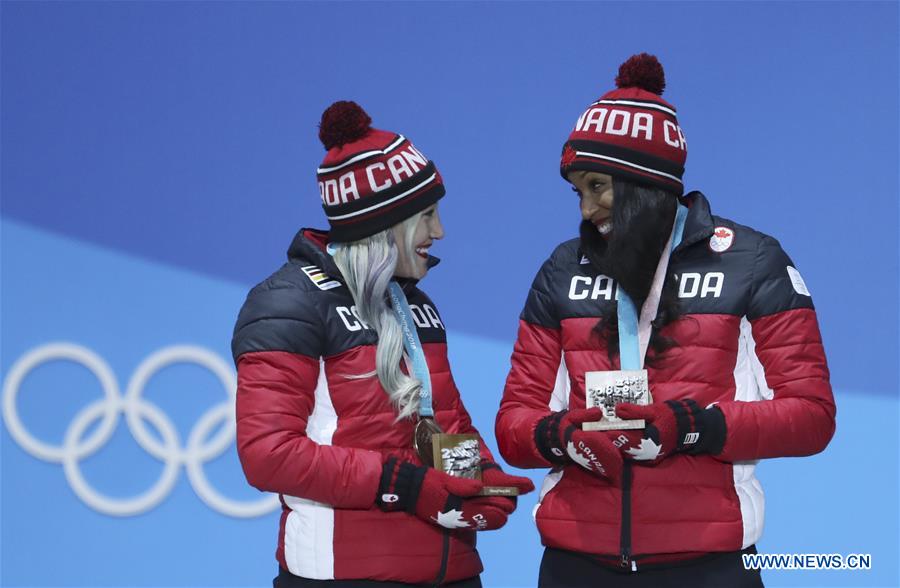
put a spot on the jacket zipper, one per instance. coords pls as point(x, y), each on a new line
point(445, 556)
point(626, 560)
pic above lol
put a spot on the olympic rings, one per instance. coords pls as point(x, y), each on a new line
point(198, 450)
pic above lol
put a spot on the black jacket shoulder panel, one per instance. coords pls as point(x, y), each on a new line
point(281, 314)
point(714, 274)
point(543, 296)
point(724, 268)
point(737, 270)
point(777, 284)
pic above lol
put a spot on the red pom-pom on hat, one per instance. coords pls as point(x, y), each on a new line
point(642, 71)
point(343, 122)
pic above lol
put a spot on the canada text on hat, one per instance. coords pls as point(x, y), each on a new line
point(631, 131)
point(370, 179)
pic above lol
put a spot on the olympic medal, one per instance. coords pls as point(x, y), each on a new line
point(423, 441)
point(605, 390)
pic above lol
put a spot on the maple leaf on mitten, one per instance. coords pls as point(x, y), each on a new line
point(452, 519)
point(560, 439)
point(425, 492)
point(646, 450)
point(674, 426)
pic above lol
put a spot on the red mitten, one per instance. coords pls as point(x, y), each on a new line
point(560, 439)
point(491, 512)
point(672, 426)
point(486, 513)
point(425, 492)
point(492, 475)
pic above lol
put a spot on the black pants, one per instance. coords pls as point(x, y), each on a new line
point(568, 569)
point(285, 579)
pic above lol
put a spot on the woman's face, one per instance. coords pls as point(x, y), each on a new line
point(595, 190)
point(414, 264)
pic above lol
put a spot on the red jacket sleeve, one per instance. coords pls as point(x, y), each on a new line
point(799, 419)
point(532, 376)
point(797, 415)
point(526, 397)
point(275, 397)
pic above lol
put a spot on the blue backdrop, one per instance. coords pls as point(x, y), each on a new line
point(158, 157)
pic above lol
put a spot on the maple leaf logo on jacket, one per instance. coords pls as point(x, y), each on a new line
point(452, 519)
point(722, 239)
point(647, 450)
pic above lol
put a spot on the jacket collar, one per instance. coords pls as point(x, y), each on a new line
point(699, 224)
point(309, 245)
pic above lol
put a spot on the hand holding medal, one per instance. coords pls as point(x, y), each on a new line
point(456, 455)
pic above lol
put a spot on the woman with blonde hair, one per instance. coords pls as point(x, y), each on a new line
point(343, 373)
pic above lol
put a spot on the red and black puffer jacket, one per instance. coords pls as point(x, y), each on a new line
point(748, 340)
point(311, 431)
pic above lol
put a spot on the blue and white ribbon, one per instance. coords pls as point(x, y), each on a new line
point(419, 366)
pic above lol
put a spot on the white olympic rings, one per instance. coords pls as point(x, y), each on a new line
point(136, 409)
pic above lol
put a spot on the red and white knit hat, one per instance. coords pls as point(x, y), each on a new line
point(370, 179)
point(631, 131)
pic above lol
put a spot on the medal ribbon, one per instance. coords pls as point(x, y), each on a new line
point(634, 335)
point(418, 367)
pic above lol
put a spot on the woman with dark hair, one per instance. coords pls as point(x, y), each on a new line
point(343, 378)
point(659, 357)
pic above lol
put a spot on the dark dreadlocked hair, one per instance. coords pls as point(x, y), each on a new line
point(642, 218)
